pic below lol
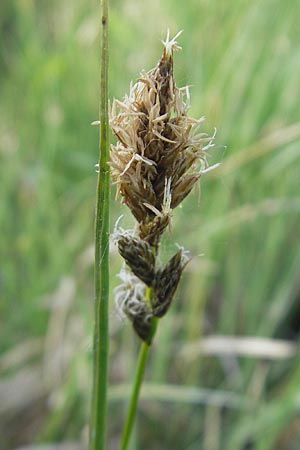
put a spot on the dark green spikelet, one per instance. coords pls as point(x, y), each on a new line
point(166, 283)
point(139, 257)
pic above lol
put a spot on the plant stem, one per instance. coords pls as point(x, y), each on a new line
point(126, 433)
point(99, 393)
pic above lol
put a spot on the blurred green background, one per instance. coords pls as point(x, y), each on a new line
point(224, 368)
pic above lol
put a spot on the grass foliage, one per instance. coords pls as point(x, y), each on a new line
point(243, 61)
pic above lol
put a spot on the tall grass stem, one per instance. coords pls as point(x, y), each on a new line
point(101, 277)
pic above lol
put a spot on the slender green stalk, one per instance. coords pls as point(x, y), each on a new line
point(126, 433)
point(99, 393)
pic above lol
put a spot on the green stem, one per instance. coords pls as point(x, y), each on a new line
point(134, 396)
point(99, 392)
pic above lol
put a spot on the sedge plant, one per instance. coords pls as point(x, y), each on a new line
point(159, 156)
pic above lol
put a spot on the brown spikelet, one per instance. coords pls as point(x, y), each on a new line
point(157, 142)
point(139, 257)
point(182, 188)
point(166, 283)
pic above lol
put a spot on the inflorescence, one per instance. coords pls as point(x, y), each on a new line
point(159, 156)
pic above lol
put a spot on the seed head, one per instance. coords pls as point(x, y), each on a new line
point(157, 146)
point(130, 302)
point(166, 282)
point(139, 257)
point(155, 164)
